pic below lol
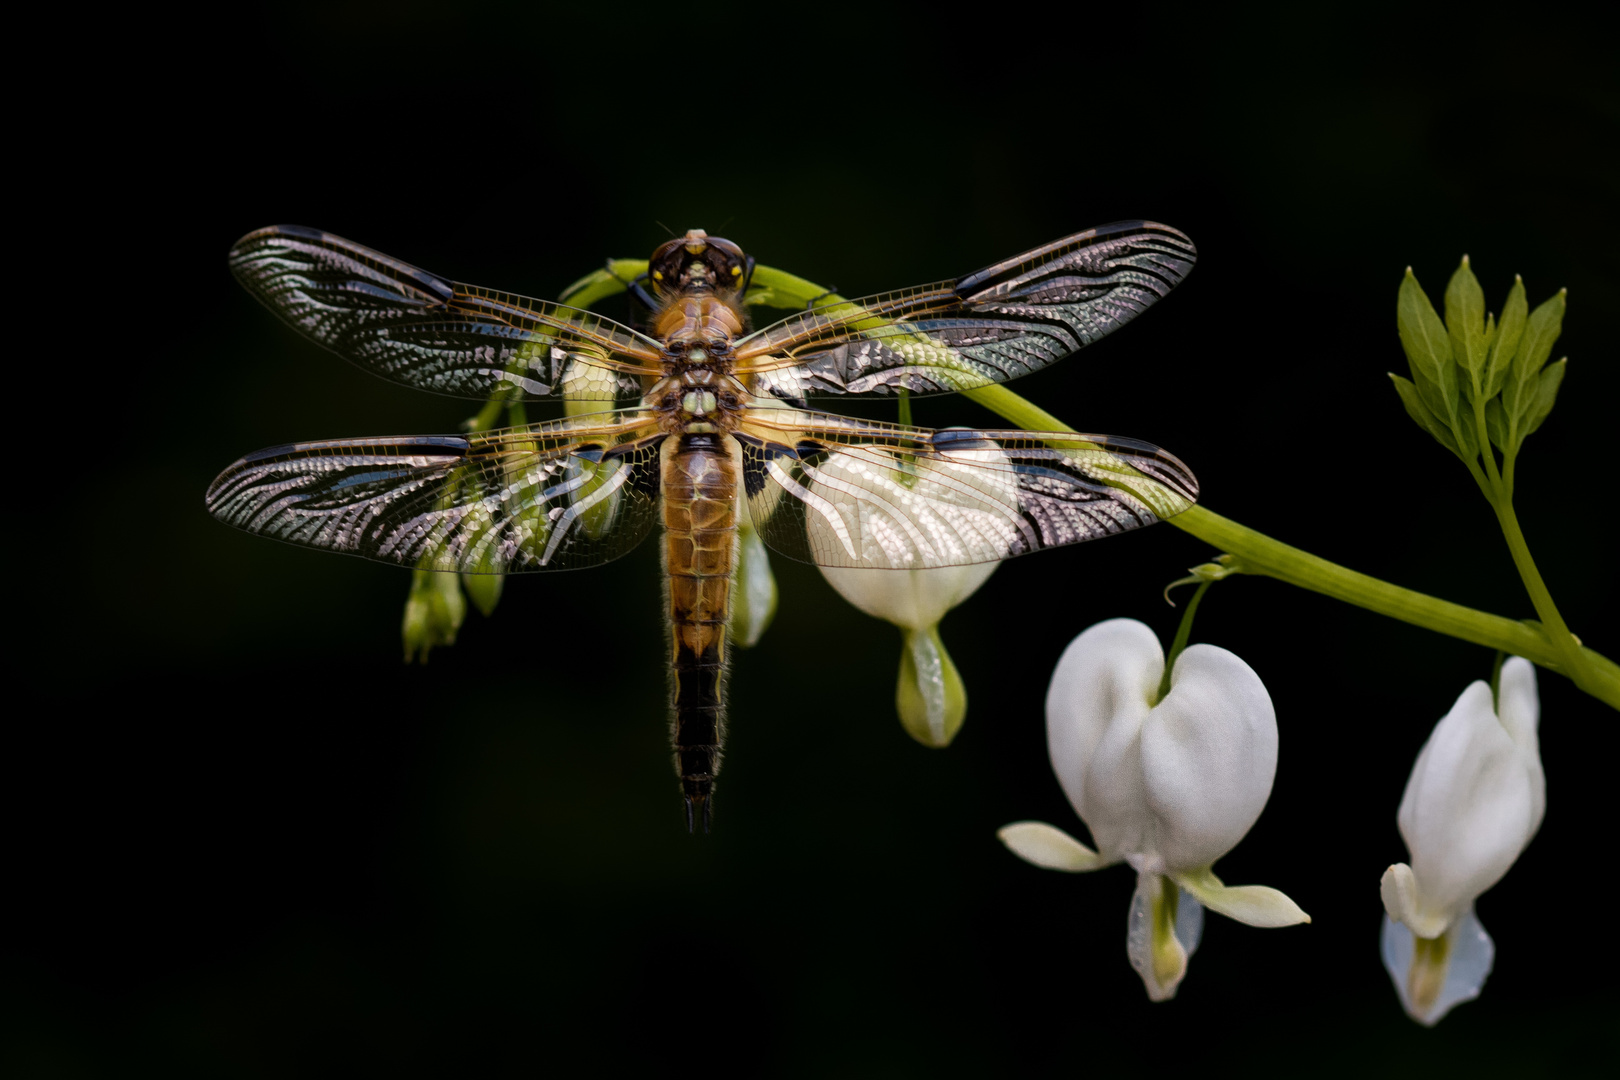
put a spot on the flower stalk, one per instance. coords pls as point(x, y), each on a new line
point(1260, 554)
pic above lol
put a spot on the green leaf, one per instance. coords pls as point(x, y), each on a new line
point(1428, 348)
point(1546, 391)
point(1541, 329)
point(1506, 343)
point(1419, 412)
point(1465, 320)
point(1467, 436)
point(1495, 425)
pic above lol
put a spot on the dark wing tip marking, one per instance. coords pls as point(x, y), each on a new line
point(1185, 252)
point(312, 245)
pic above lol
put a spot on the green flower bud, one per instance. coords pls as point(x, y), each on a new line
point(930, 696)
point(433, 613)
point(484, 590)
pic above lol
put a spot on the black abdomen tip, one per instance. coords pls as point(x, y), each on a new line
point(699, 807)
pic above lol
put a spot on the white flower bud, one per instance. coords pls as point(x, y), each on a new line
point(1475, 798)
point(959, 513)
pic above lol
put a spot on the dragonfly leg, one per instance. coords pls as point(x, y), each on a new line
point(813, 301)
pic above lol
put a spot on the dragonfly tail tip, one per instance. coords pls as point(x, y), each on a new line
point(693, 804)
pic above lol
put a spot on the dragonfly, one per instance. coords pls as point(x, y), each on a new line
point(703, 424)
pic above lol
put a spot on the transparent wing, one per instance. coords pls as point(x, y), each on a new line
point(841, 492)
point(560, 495)
point(1004, 321)
point(416, 328)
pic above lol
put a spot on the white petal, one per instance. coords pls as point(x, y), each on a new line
point(918, 524)
point(1101, 692)
point(1518, 707)
point(1399, 891)
point(1048, 847)
point(1471, 954)
point(1209, 755)
point(1256, 905)
point(913, 599)
point(1473, 801)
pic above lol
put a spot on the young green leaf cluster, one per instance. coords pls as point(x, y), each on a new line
point(1476, 382)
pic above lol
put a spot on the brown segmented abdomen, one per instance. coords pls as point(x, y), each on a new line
point(700, 540)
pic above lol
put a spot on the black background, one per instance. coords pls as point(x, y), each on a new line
point(248, 841)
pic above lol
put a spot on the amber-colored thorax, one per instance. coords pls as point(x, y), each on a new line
point(698, 320)
point(698, 282)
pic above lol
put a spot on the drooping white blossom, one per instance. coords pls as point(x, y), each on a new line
point(926, 535)
point(1475, 798)
point(1168, 785)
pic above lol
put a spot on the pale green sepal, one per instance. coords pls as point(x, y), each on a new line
point(434, 611)
point(1421, 413)
point(1506, 342)
point(1428, 348)
point(930, 697)
point(1546, 393)
point(754, 595)
point(1465, 320)
point(1049, 847)
point(1256, 905)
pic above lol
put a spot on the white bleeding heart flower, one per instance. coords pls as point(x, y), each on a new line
point(1168, 785)
point(915, 541)
point(1475, 798)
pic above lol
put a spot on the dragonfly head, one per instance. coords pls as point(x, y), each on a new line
point(698, 262)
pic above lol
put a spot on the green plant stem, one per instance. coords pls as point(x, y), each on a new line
point(1183, 632)
point(1500, 496)
point(1260, 554)
point(1575, 661)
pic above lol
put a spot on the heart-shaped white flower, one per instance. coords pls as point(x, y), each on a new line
point(1168, 784)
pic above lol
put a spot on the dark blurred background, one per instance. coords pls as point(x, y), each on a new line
point(247, 840)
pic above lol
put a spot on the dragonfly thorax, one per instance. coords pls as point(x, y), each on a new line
point(702, 320)
point(698, 400)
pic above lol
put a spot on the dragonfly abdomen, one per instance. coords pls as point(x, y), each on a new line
point(700, 539)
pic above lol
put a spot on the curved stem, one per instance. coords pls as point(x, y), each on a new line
point(1183, 632)
point(1553, 648)
point(1260, 554)
point(1539, 596)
